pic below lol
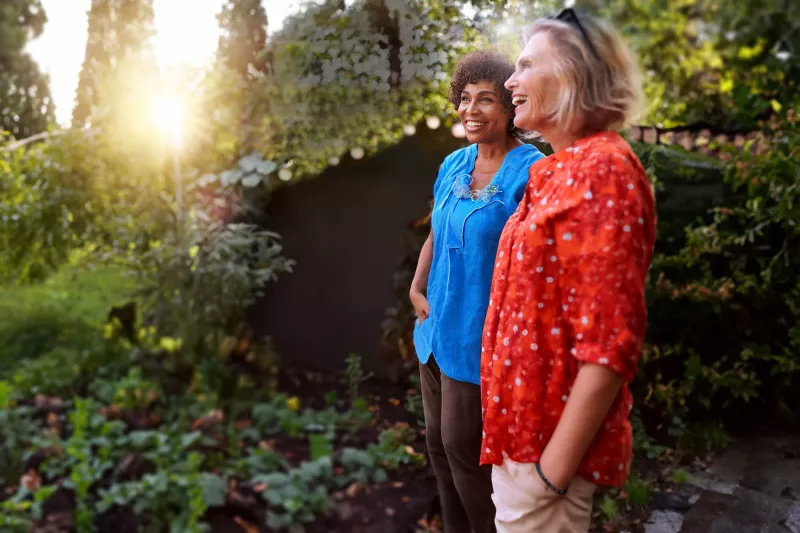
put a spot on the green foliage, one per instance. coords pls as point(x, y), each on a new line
point(86, 468)
point(244, 37)
point(117, 34)
point(355, 375)
point(180, 488)
point(732, 272)
point(131, 393)
point(280, 415)
point(761, 70)
point(26, 107)
point(17, 513)
point(196, 283)
point(18, 430)
point(638, 493)
point(719, 63)
point(298, 495)
point(348, 78)
point(173, 499)
point(59, 321)
point(49, 203)
point(390, 452)
point(642, 442)
point(680, 476)
point(610, 508)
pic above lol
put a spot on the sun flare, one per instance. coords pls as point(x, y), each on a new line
point(168, 114)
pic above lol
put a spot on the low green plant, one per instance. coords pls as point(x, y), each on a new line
point(18, 429)
point(132, 393)
point(354, 375)
point(172, 499)
point(699, 436)
point(86, 466)
point(638, 492)
point(18, 513)
point(299, 495)
point(610, 508)
point(642, 442)
point(257, 461)
point(680, 476)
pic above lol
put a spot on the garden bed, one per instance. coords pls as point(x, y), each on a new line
point(313, 458)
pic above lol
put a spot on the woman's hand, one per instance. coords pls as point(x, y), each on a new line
point(421, 306)
point(594, 391)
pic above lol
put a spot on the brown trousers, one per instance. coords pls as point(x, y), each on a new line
point(453, 430)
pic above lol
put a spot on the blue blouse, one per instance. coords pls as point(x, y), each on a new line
point(466, 232)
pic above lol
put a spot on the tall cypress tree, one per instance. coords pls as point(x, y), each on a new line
point(118, 30)
point(26, 106)
point(242, 46)
point(134, 29)
point(96, 58)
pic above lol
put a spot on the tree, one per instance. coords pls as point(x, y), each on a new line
point(242, 46)
point(349, 77)
point(119, 32)
point(97, 57)
point(725, 64)
point(26, 107)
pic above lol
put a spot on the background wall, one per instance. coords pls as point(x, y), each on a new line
point(344, 230)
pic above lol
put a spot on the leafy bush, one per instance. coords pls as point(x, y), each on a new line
point(723, 336)
point(49, 203)
point(195, 285)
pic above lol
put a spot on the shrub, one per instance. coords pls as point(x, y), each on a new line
point(723, 334)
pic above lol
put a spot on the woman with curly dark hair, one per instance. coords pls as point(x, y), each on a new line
point(477, 190)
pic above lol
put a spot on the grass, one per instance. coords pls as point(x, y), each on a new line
point(65, 311)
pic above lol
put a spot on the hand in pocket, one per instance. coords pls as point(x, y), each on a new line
point(421, 306)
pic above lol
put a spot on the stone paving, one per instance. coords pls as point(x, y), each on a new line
point(754, 487)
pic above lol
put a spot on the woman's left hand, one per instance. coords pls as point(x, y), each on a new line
point(559, 478)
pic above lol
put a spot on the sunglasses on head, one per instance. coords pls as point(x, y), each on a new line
point(569, 16)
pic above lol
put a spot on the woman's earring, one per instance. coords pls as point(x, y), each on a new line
point(510, 125)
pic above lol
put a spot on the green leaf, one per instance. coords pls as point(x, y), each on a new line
point(680, 476)
point(188, 440)
point(320, 446)
point(694, 367)
point(5, 394)
point(214, 489)
point(251, 180)
point(610, 508)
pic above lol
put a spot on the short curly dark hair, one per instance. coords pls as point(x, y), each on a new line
point(483, 65)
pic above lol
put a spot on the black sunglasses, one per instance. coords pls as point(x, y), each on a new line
point(569, 16)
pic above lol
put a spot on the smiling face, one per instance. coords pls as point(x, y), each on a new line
point(534, 106)
point(482, 112)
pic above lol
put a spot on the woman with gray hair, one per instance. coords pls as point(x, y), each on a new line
point(566, 317)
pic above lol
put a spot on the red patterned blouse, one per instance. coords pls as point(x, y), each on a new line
point(568, 288)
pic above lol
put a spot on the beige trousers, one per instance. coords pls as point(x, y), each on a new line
point(525, 504)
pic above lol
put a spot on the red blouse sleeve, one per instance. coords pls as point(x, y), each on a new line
point(605, 245)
